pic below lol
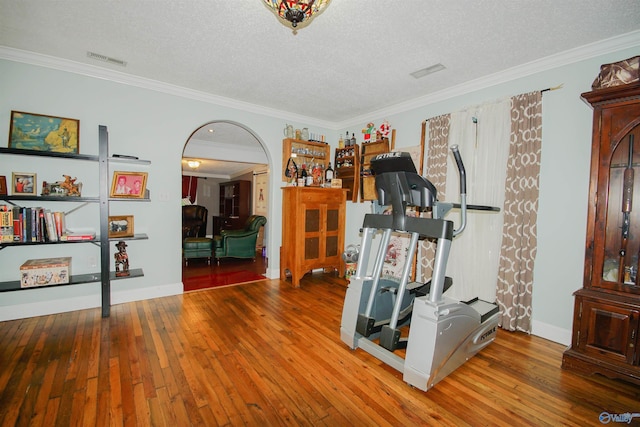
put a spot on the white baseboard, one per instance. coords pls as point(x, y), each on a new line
point(551, 332)
point(43, 308)
point(273, 273)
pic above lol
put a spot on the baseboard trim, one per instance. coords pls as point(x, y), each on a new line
point(551, 332)
point(44, 308)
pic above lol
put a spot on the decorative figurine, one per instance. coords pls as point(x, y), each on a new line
point(122, 259)
point(384, 129)
point(70, 186)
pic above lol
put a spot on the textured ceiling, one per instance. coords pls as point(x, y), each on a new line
point(354, 59)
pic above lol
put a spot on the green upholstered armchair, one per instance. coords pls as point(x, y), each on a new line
point(239, 243)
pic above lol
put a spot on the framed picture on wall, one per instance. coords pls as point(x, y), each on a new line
point(128, 185)
point(30, 131)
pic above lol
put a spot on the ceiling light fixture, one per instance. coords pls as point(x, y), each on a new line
point(296, 13)
point(193, 164)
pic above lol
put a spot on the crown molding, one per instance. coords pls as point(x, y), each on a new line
point(571, 56)
point(568, 57)
point(32, 58)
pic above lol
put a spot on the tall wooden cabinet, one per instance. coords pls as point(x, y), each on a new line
point(606, 321)
point(313, 221)
point(235, 204)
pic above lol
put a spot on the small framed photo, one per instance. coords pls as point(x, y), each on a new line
point(30, 131)
point(128, 185)
point(3, 185)
point(23, 184)
point(120, 226)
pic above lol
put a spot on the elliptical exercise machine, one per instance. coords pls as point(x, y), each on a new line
point(443, 332)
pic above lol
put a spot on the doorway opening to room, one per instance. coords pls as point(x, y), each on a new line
point(225, 198)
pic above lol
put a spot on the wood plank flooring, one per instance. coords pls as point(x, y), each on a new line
point(266, 354)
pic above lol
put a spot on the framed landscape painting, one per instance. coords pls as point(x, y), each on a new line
point(37, 132)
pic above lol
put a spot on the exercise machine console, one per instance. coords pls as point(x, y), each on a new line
point(443, 332)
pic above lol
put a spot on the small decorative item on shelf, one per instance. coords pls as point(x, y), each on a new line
point(70, 186)
point(288, 131)
point(128, 185)
point(369, 133)
point(122, 259)
point(384, 129)
point(3, 185)
point(44, 133)
point(121, 226)
point(45, 272)
point(23, 184)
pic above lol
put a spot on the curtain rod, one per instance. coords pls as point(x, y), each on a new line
point(552, 88)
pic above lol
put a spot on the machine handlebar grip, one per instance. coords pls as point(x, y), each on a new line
point(461, 171)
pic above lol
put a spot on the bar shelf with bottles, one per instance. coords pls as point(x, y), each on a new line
point(347, 168)
point(308, 153)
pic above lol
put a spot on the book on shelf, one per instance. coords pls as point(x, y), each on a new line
point(6, 223)
point(70, 236)
point(51, 226)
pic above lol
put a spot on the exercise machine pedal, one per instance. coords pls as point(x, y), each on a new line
point(425, 289)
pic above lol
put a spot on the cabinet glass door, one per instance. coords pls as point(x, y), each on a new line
point(622, 234)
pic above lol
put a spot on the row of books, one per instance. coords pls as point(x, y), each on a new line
point(27, 224)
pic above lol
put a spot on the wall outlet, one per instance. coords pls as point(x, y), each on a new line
point(93, 262)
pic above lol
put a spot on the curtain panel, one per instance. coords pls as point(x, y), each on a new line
point(436, 172)
point(189, 188)
point(519, 240)
point(501, 150)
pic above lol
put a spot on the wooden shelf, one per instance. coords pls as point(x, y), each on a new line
point(78, 279)
point(350, 175)
point(304, 152)
point(70, 156)
point(367, 179)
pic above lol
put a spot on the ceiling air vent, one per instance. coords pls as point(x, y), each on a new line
point(105, 58)
point(429, 70)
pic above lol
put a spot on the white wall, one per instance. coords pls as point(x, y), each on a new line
point(150, 124)
point(156, 124)
point(564, 179)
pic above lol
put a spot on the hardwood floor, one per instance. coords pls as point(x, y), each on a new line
point(199, 266)
point(265, 354)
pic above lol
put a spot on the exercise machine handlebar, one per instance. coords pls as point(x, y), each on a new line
point(463, 189)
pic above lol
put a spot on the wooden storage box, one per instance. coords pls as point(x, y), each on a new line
point(45, 272)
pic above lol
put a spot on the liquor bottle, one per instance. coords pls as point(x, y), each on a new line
point(302, 180)
point(328, 174)
point(341, 142)
point(353, 139)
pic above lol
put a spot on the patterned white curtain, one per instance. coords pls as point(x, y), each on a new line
point(493, 258)
point(519, 242)
point(436, 172)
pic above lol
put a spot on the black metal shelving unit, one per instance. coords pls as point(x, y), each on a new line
point(104, 276)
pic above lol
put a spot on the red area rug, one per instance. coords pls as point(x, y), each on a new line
point(218, 280)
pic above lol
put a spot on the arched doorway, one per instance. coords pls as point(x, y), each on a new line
point(226, 154)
